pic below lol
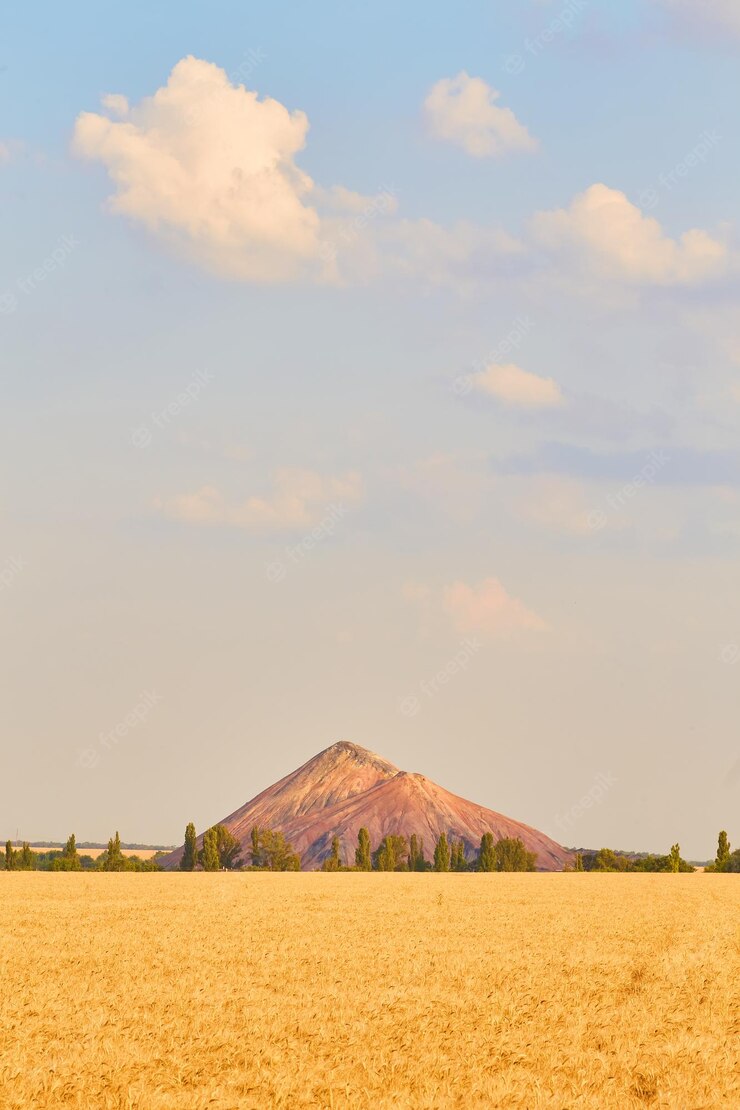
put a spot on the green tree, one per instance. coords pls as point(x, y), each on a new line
point(606, 860)
point(416, 853)
point(228, 848)
point(511, 855)
point(487, 853)
point(392, 854)
point(363, 851)
point(27, 858)
point(442, 854)
point(723, 852)
point(209, 852)
point(578, 862)
point(278, 853)
point(10, 857)
point(255, 852)
point(674, 859)
point(190, 850)
point(333, 862)
point(113, 858)
point(69, 854)
point(458, 861)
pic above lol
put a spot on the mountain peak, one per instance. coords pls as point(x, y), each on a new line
point(346, 787)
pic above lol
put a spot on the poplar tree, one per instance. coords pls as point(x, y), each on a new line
point(363, 853)
point(442, 854)
point(9, 857)
point(723, 852)
point(211, 861)
point(255, 851)
point(674, 859)
point(27, 858)
point(487, 853)
point(190, 851)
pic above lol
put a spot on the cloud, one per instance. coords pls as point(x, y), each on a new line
point(608, 236)
point(717, 15)
point(299, 500)
point(487, 608)
point(517, 387)
point(462, 110)
point(559, 505)
point(116, 104)
point(211, 168)
point(5, 153)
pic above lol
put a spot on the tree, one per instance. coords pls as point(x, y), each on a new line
point(674, 859)
point(442, 854)
point(578, 862)
point(511, 855)
point(273, 851)
point(416, 853)
point(10, 857)
point(228, 848)
point(332, 863)
point(112, 859)
point(457, 856)
point(190, 850)
point(723, 852)
point(279, 854)
point(255, 851)
point(69, 854)
point(392, 854)
point(363, 852)
point(487, 853)
point(27, 858)
point(606, 860)
point(209, 853)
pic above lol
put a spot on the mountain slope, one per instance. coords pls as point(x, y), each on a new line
point(345, 787)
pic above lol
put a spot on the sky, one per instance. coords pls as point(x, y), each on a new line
point(371, 373)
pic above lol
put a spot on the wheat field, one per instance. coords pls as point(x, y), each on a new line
point(187, 991)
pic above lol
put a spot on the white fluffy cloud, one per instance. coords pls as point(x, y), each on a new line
point(610, 237)
point(299, 500)
point(487, 608)
point(211, 167)
point(517, 387)
point(463, 110)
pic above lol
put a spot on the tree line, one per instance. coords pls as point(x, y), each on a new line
point(70, 859)
point(269, 851)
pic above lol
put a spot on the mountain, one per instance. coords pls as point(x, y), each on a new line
point(346, 786)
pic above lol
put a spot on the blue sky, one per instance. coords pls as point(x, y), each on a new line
point(456, 351)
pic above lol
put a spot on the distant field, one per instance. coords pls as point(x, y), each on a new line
point(142, 853)
point(226, 991)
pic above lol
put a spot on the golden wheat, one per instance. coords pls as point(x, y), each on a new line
point(181, 992)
